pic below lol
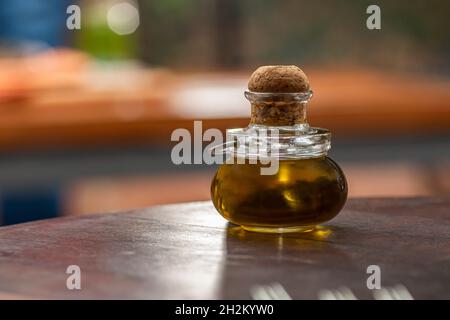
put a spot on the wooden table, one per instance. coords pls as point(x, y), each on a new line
point(188, 251)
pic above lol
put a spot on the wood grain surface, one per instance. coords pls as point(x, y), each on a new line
point(187, 251)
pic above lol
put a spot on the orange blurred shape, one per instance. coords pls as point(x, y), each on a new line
point(21, 76)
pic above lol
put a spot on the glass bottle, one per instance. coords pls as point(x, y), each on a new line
point(278, 177)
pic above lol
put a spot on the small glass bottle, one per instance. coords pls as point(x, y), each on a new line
point(308, 188)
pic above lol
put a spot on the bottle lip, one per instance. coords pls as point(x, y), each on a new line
point(293, 142)
point(278, 96)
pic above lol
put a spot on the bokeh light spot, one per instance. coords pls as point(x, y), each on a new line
point(123, 18)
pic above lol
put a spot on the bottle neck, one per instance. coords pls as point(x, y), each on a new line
point(278, 114)
point(278, 128)
point(278, 109)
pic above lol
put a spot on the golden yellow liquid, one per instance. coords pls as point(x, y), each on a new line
point(304, 193)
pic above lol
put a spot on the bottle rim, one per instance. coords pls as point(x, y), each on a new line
point(261, 97)
point(291, 142)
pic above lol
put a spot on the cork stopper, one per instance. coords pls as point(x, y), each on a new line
point(278, 79)
point(278, 95)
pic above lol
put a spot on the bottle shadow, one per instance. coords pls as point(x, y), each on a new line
point(299, 261)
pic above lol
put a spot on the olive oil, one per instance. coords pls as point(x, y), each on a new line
point(303, 193)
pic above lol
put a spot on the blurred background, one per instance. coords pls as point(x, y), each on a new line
point(86, 114)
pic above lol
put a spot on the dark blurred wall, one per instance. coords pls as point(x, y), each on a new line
point(222, 34)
